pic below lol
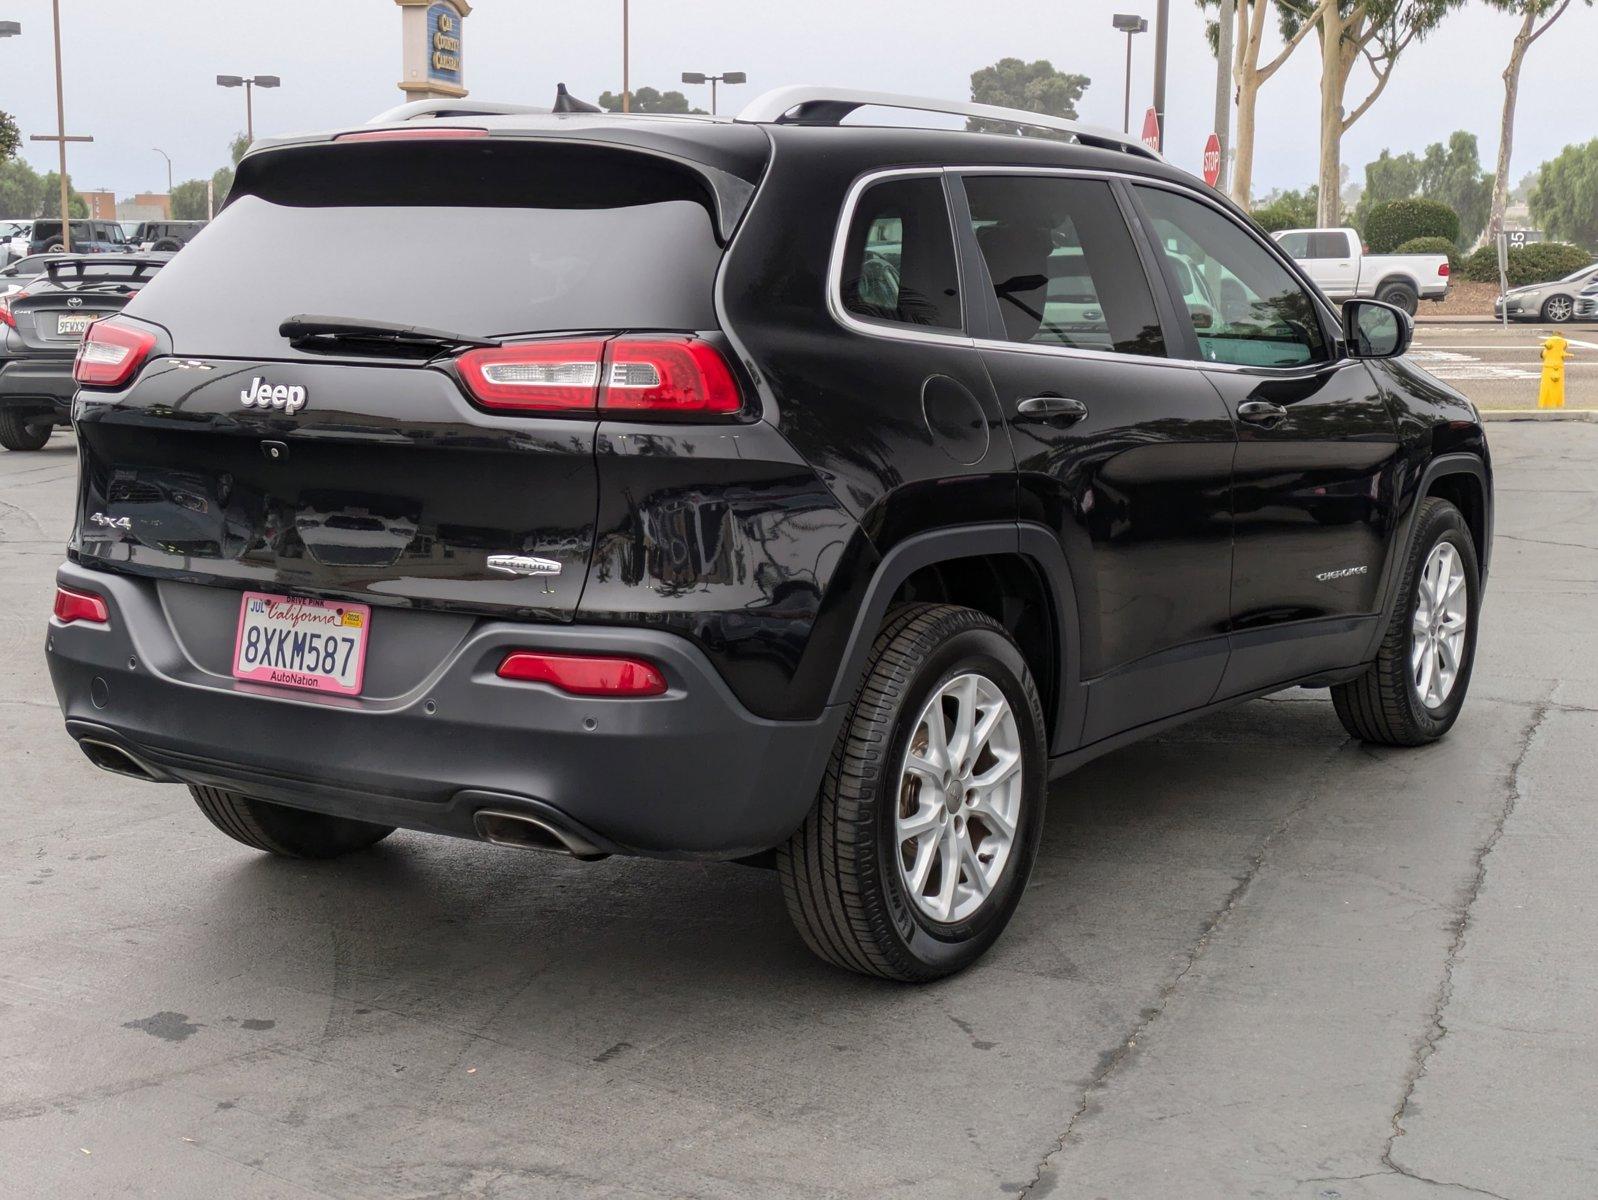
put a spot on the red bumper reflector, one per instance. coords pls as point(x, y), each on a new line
point(585, 674)
point(73, 606)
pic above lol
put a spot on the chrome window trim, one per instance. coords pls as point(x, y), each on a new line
point(895, 330)
point(910, 333)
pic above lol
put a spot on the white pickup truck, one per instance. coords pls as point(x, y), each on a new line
point(1336, 260)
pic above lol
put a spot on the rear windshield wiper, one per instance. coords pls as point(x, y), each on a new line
point(352, 335)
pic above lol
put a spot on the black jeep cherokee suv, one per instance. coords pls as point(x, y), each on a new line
point(766, 488)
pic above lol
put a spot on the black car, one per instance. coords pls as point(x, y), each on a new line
point(42, 323)
point(766, 489)
point(165, 236)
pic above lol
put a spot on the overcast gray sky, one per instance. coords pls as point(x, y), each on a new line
point(140, 73)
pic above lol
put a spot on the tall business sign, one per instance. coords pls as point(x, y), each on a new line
point(433, 64)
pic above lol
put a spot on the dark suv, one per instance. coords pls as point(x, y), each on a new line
point(167, 236)
point(764, 489)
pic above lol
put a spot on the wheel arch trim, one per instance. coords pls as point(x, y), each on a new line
point(1022, 539)
point(1459, 463)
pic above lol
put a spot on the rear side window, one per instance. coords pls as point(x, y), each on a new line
point(898, 261)
point(484, 238)
point(1064, 268)
point(1249, 310)
point(1328, 245)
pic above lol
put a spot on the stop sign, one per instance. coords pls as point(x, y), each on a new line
point(1151, 130)
point(1212, 159)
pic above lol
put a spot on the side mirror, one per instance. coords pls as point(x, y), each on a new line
point(1372, 329)
point(1203, 318)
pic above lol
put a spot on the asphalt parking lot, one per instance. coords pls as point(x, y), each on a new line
point(1500, 368)
point(1256, 959)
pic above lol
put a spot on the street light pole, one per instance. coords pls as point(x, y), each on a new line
point(1223, 86)
point(1129, 24)
point(168, 158)
point(1162, 26)
point(248, 84)
point(713, 80)
point(626, 81)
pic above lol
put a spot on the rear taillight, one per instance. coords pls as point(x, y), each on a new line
point(1443, 270)
point(7, 317)
point(668, 375)
point(542, 376)
point(73, 606)
point(111, 353)
point(648, 376)
point(585, 674)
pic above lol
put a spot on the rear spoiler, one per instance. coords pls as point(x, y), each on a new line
point(138, 266)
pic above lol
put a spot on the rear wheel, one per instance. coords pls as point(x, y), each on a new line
point(17, 434)
point(1413, 693)
point(919, 845)
point(1399, 295)
point(278, 829)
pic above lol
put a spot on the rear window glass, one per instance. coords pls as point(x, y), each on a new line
point(473, 238)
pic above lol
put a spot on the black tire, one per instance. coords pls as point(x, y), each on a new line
point(1383, 705)
point(278, 829)
point(17, 434)
point(1557, 310)
point(166, 246)
point(840, 874)
point(1399, 295)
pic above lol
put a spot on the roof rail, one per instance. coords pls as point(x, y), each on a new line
point(437, 109)
point(806, 105)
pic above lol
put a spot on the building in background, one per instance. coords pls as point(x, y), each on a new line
point(146, 206)
point(102, 205)
point(432, 66)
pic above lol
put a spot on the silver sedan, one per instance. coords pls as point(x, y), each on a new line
point(1553, 302)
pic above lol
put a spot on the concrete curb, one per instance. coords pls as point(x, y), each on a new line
point(1539, 414)
point(1419, 320)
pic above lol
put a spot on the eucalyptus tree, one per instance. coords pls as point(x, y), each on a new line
point(1535, 18)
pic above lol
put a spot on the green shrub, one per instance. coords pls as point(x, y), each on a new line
point(1392, 224)
point(1536, 263)
point(1434, 245)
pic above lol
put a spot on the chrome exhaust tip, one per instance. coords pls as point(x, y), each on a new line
point(527, 832)
point(115, 759)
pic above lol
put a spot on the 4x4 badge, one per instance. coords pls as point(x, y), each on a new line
point(522, 564)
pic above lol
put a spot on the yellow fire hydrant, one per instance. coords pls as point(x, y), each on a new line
point(1551, 392)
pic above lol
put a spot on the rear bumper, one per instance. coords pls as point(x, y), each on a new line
point(41, 385)
point(688, 774)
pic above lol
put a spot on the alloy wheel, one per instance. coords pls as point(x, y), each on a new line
point(1437, 629)
point(960, 789)
point(1559, 308)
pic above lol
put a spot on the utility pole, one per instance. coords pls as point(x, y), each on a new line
point(626, 81)
point(1162, 28)
point(1223, 86)
point(60, 137)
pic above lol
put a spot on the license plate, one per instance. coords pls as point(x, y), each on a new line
point(319, 645)
point(76, 323)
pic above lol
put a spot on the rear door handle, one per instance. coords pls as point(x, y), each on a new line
point(1052, 408)
point(1260, 412)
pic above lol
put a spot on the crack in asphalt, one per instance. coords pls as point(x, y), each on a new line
point(1112, 1059)
point(1437, 1028)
